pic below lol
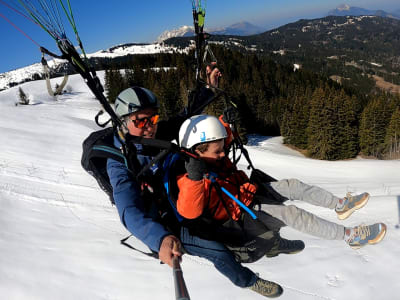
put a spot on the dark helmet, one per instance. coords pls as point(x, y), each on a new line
point(134, 99)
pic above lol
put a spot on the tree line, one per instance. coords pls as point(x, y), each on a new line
point(312, 113)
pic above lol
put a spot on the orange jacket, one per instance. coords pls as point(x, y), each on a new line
point(196, 197)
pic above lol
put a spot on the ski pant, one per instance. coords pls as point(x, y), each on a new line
point(223, 259)
point(300, 219)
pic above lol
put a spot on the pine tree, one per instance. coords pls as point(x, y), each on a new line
point(114, 84)
point(348, 126)
point(23, 98)
point(297, 121)
point(317, 145)
point(373, 127)
point(392, 138)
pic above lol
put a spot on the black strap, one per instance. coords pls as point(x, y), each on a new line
point(96, 118)
point(151, 254)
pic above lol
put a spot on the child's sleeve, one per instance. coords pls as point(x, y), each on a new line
point(191, 198)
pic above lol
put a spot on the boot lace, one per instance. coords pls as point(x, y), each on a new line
point(363, 231)
point(348, 198)
point(265, 286)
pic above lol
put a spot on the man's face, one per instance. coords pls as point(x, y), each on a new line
point(141, 123)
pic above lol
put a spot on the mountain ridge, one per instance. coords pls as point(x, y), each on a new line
point(241, 28)
point(347, 10)
point(366, 43)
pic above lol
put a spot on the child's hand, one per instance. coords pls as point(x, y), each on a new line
point(196, 168)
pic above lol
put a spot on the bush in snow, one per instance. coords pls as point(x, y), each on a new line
point(23, 98)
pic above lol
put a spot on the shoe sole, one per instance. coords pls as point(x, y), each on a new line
point(358, 205)
point(291, 252)
point(275, 255)
point(374, 241)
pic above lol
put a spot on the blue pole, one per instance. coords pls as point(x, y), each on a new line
point(248, 210)
point(212, 177)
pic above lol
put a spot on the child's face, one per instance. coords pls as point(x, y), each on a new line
point(214, 153)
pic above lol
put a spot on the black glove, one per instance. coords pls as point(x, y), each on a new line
point(230, 115)
point(196, 168)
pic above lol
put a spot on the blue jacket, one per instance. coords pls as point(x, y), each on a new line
point(127, 192)
point(130, 204)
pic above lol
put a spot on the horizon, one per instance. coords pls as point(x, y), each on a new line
point(124, 24)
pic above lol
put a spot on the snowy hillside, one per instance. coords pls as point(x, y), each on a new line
point(59, 236)
point(184, 30)
point(20, 75)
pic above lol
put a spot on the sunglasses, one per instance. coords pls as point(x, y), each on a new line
point(141, 123)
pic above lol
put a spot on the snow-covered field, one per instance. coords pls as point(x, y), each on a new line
point(59, 235)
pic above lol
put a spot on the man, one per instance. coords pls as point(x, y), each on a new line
point(138, 108)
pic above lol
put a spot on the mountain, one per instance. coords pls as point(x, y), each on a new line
point(347, 10)
point(396, 13)
point(350, 49)
point(180, 32)
point(59, 67)
point(241, 29)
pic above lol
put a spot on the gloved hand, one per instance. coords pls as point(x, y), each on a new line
point(230, 115)
point(196, 168)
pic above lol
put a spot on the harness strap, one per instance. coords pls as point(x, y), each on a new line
point(151, 254)
point(212, 176)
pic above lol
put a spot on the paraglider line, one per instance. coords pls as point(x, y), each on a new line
point(19, 29)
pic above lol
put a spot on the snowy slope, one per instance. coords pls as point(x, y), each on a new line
point(59, 236)
point(27, 73)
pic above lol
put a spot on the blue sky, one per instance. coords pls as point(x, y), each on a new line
point(103, 24)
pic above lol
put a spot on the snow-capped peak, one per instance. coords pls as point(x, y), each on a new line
point(343, 7)
point(184, 30)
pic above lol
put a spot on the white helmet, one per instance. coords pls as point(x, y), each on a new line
point(200, 129)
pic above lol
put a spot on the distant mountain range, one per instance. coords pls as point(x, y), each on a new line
point(347, 10)
point(246, 28)
point(240, 29)
point(350, 49)
point(330, 45)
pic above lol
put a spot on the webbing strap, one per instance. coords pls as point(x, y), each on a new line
point(212, 176)
point(151, 254)
point(168, 163)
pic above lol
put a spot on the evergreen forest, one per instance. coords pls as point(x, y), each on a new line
point(313, 113)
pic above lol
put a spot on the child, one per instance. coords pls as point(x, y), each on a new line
point(205, 136)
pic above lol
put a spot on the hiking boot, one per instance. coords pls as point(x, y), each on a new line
point(361, 235)
point(351, 203)
point(284, 246)
point(267, 288)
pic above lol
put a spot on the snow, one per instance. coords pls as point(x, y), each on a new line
point(124, 50)
point(27, 73)
point(60, 236)
point(184, 30)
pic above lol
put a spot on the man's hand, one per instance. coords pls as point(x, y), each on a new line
point(213, 74)
point(170, 246)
